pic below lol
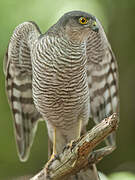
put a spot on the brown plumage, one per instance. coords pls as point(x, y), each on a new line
point(65, 76)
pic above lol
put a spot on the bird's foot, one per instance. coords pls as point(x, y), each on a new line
point(52, 158)
point(71, 144)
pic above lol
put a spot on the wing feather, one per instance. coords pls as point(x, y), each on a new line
point(102, 78)
point(18, 75)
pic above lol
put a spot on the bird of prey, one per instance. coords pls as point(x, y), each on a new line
point(64, 76)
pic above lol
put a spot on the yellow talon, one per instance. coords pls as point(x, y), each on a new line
point(52, 157)
point(71, 143)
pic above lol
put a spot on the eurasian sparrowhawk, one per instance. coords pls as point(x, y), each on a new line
point(64, 76)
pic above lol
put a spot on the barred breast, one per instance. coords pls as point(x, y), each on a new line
point(60, 88)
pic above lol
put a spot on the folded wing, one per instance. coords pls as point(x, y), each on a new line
point(102, 79)
point(18, 75)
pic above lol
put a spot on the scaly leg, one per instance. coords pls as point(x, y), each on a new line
point(54, 145)
point(80, 128)
point(54, 148)
point(79, 132)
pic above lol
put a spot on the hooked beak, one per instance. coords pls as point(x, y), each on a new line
point(95, 26)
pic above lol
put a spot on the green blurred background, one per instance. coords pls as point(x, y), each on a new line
point(118, 19)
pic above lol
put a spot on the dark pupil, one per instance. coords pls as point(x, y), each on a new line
point(83, 20)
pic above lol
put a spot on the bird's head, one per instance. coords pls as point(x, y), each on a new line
point(76, 25)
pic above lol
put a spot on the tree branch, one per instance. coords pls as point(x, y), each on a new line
point(80, 155)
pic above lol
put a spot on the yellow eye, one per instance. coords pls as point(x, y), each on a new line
point(83, 20)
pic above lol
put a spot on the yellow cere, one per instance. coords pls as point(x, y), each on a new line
point(83, 20)
point(94, 23)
